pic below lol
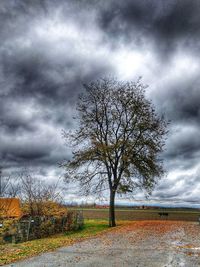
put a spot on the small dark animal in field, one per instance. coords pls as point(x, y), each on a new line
point(163, 214)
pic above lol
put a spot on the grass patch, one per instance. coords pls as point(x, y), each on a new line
point(14, 252)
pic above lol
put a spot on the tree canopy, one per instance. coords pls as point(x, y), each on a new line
point(118, 140)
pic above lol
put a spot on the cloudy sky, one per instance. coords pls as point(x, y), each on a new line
point(48, 48)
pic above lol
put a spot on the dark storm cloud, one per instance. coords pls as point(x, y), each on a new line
point(35, 65)
point(49, 48)
point(35, 72)
point(179, 101)
point(40, 75)
point(167, 24)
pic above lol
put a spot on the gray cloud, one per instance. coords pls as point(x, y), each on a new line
point(167, 24)
point(49, 48)
point(185, 185)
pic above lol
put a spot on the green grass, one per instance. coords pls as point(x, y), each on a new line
point(14, 252)
point(91, 227)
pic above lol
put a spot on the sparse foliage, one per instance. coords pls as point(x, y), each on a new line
point(4, 183)
point(118, 140)
point(38, 197)
point(9, 186)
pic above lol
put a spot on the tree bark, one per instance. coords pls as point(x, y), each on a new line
point(112, 209)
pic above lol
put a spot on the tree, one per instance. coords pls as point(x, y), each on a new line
point(9, 186)
point(4, 183)
point(118, 140)
point(38, 197)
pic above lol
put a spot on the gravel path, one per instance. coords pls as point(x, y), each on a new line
point(141, 244)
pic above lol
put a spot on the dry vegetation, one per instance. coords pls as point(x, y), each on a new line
point(128, 214)
point(182, 238)
point(14, 252)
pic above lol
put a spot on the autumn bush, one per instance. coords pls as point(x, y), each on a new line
point(29, 228)
point(47, 228)
point(8, 229)
point(44, 208)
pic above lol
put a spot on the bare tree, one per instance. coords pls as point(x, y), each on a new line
point(9, 188)
point(35, 193)
point(118, 141)
point(4, 183)
point(14, 187)
point(9, 185)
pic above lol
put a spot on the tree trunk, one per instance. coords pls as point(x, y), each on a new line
point(112, 209)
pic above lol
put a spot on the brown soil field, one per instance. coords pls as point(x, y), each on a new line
point(142, 214)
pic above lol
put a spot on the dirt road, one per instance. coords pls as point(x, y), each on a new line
point(141, 244)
